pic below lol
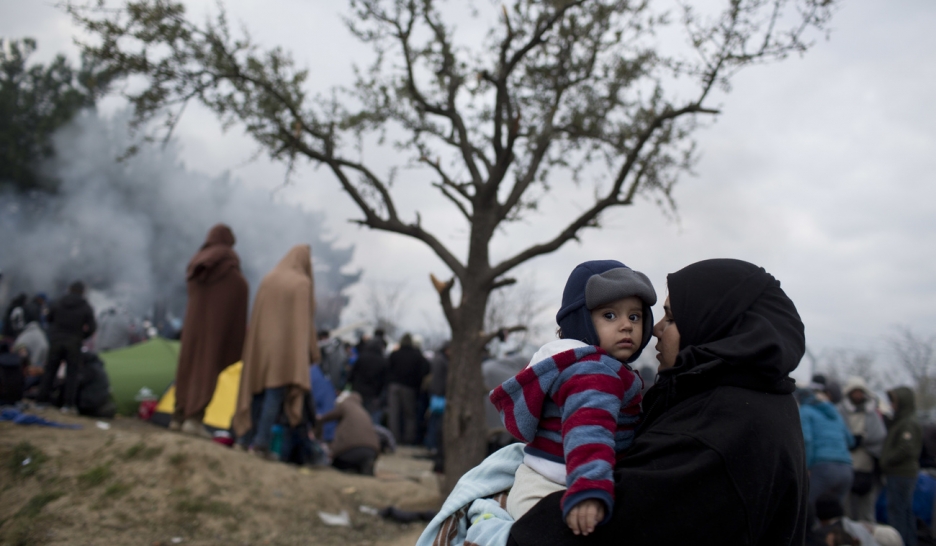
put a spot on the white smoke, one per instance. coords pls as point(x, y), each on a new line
point(129, 228)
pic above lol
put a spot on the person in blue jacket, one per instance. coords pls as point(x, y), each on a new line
point(827, 441)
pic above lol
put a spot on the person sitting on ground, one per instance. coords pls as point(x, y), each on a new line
point(33, 345)
point(356, 445)
point(831, 515)
point(577, 403)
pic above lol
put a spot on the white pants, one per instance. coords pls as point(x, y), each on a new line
point(529, 487)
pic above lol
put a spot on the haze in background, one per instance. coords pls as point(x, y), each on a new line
point(129, 228)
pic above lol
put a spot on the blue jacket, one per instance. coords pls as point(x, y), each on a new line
point(826, 436)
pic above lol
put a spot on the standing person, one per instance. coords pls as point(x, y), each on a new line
point(71, 321)
point(828, 441)
point(859, 409)
point(214, 327)
point(334, 360)
point(356, 444)
point(577, 403)
point(281, 344)
point(719, 458)
point(900, 463)
point(368, 378)
point(438, 376)
point(405, 373)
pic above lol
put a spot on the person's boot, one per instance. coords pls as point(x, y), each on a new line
point(175, 426)
point(195, 428)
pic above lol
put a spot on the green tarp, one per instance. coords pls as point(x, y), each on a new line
point(150, 364)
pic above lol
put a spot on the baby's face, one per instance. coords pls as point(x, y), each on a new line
point(620, 326)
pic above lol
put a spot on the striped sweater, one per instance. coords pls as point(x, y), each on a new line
point(579, 407)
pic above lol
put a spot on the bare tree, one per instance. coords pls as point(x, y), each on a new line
point(916, 355)
point(520, 305)
point(559, 88)
point(385, 305)
point(842, 363)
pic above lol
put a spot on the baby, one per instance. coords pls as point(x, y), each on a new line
point(577, 403)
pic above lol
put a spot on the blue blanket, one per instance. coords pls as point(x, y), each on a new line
point(473, 513)
point(20, 418)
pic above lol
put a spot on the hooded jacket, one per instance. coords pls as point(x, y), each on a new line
point(901, 453)
point(865, 424)
point(71, 317)
point(825, 433)
point(355, 428)
point(720, 457)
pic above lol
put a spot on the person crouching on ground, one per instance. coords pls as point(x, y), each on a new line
point(356, 444)
point(578, 402)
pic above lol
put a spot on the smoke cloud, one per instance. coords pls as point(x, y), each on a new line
point(129, 228)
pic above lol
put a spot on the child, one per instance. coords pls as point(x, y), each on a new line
point(578, 402)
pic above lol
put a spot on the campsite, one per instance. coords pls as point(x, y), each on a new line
point(129, 481)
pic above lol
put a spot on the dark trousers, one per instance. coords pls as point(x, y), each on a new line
point(69, 350)
point(356, 459)
point(900, 507)
point(401, 408)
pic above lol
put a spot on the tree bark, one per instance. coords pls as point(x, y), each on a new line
point(465, 429)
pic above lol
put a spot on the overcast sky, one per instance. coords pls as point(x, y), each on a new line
point(820, 169)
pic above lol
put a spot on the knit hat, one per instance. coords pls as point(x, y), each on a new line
point(598, 282)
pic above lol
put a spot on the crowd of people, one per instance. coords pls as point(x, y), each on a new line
point(303, 396)
point(724, 438)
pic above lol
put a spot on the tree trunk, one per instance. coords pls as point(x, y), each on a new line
point(465, 430)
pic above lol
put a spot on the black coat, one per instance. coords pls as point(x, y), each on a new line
point(408, 367)
point(71, 317)
point(719, 458)
point(722, 467)
point(368, 376)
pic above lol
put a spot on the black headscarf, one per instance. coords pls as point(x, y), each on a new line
point(736, 327)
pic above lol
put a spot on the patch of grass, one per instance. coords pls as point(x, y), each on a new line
point(116, 490)
point(25, 460)
point(95, 476)
point(140, 451)
point(34, 506)
point(203, 505)
point(178, 459)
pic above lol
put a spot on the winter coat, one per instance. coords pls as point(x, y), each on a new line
point(901, 453)
point(438, 367)
point(36, 343)
point(865, 424)
point(281, 339)
point(70, 317)
point(215, 321)
point(577, 406)
point(827, 438)
point(720, 457)
point(355, 428)
point(407, 367)
point(368, 376)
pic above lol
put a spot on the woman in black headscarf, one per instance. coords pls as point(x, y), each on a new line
point(719, 457)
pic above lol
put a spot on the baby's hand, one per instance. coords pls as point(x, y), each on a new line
point(585, 515)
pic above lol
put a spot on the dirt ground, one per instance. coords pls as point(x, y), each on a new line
point(137, 483)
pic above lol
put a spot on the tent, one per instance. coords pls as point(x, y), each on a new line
point(151, 364)
point(220, 410)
